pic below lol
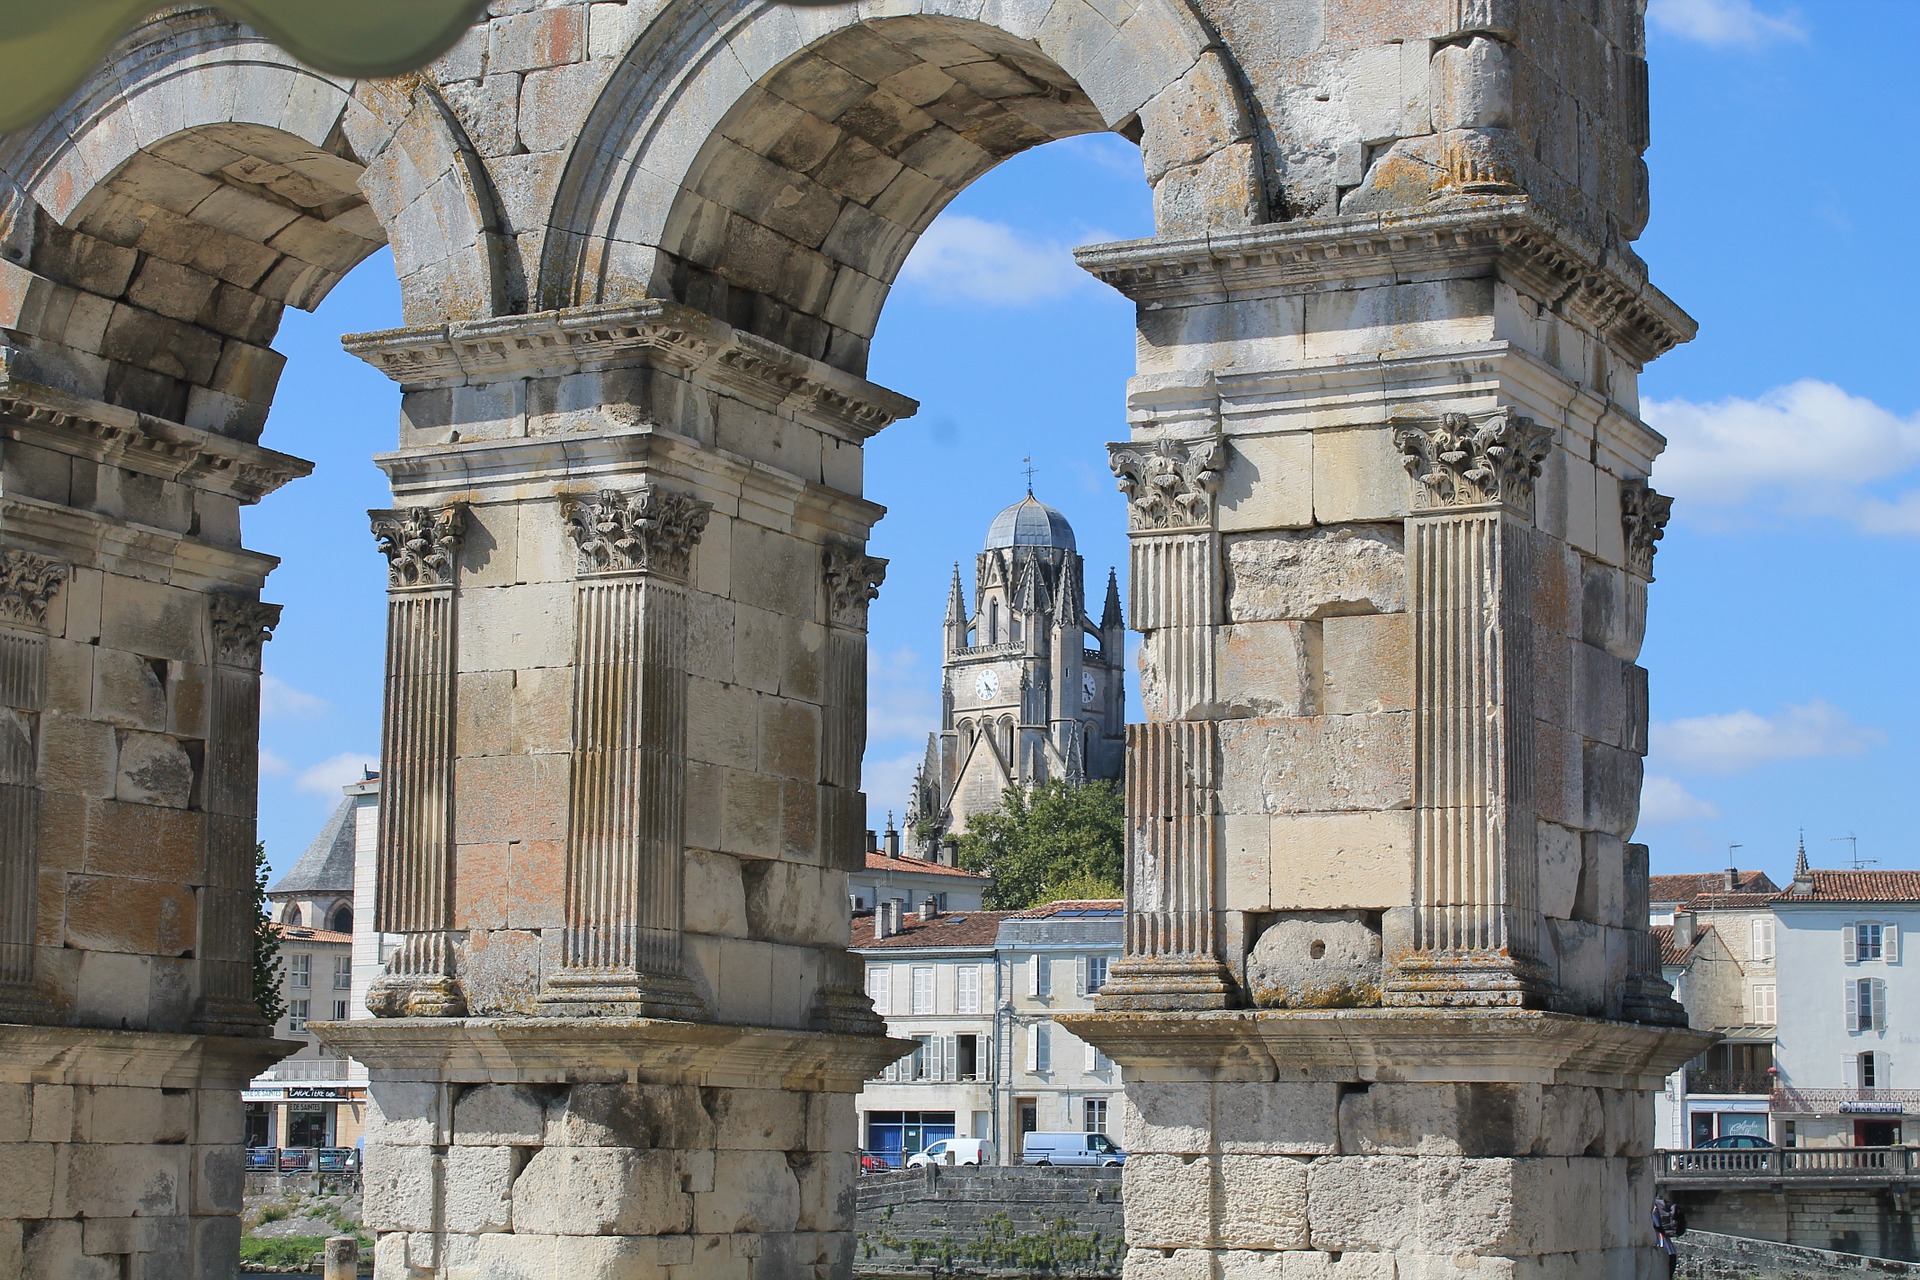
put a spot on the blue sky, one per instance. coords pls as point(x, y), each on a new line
point(1781, 623)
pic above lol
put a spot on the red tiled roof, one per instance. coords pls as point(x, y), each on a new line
point(1685, 888)
point(1082, 904)
point(1710, 901)
point(1857, 886)
point(1673, 955)
point(881, 862)
point(300, 933)
point(952, 929)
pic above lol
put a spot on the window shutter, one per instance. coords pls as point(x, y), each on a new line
point(1045, 965)
point(880, 987)
point(1045, 1037)
point(1093, 1058)
point(1079, 975)
point(983, 1058)
point(1033, 977)
point(1033, 1048)
point(1890, 943)
point(1847, 951)
point(1853, 1001)
point(1850, 1068)
point(1879, 1004)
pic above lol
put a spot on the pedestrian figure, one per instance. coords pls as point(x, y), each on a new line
point(1668, 1222)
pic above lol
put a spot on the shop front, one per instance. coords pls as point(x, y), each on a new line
point(304, 1116)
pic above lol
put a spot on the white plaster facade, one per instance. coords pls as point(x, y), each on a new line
point(1053, 960)
point(898, 877)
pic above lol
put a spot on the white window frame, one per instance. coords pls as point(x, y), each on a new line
point(298, 1011)
point(1761, 934)
point(1089, 1110)
point(1766, 1003)
point(880, 988)
point(967, 986)
point(1866, 1003)
point(343, 973)
point(340, 1011)
point(1040, 976)
point(300, 971)
point(922, 989)
point(1040, 1049)
point(1096, 973)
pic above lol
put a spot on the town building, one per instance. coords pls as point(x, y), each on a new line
point(890, 874)
point(978, 993)
point(316, 1098)
point(1667, 893)
point(1024, 698)
point(1053, 960)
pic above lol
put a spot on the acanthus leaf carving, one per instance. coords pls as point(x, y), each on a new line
point(27, 584)
point(646, 530)
point(1470, 460)
point(421, 544)
point(240, 627)
point(1644, 513)
point(1169, 484)
point(853, 582)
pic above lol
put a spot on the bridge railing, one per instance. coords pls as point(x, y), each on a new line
point(1811, 1163)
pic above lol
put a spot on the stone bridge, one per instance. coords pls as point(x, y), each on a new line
point(1391, 541)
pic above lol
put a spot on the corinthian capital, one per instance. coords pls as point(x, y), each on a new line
point(1470, 460)
point(1643, 515)
point(648, 530)
point(27, 584)
point(853, 582)
point(240, 627)
point(421, 545)
point(1169, 484)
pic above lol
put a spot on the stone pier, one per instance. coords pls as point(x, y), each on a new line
point(1388, 992)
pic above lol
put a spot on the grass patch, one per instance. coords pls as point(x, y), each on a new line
point(288, 1251)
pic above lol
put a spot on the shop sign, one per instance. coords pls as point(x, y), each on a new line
point(310, 1093)
point(1871, 1108)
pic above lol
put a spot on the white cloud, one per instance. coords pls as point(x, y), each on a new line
point(1808, 447)
point(970, 259)
point(1663, 799)
point(1742, 740)
point(280, 700)
point(327, 777)
point(273, 764)
point(1721, 22)
point(902, 696)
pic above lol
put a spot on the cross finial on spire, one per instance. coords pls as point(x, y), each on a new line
point(1029, 461)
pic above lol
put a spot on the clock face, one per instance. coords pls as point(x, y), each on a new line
point(1088, 689)
point(987, 684)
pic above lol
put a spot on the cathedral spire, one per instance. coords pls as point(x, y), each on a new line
point(1030, 599)
point(956, 614)
point(1067, 600)
point(1110, 616)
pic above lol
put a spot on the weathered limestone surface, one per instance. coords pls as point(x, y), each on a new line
point(1391, 542)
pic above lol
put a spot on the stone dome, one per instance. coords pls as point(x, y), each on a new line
point(1030, 523)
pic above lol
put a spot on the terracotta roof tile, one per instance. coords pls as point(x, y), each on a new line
point(1672, 955)
point(1857, 886)
point(1709, 901)
point(1685, 888)
point(953, 929)
point(881, 862)
point(300, 933)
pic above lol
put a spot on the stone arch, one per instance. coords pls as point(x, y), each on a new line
point(781, 190)
point(160, 223)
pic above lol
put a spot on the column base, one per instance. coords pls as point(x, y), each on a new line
point(1467, 980)
point(231, 1017)
point(592, 994)
point(1148, 983)
point(562, 1147)
point(1409, 1142)
point(1650, 1000)
point(122, 1150)
point(416, 996)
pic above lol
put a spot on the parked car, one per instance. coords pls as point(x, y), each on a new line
point(1735, 1142)
point(296, 1159)
point(1071, 1148)
point(871, 1163)
point(1733, 1151)
point(262, 1159)
point(951, 1151)
point(335, 1159)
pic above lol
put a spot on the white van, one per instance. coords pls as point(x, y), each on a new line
point(951, 1151)
point(1070, 1148)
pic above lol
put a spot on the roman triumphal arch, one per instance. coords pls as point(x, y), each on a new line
point(1389, 1006)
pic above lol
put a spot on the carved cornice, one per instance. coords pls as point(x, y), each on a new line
point(1606, 291)
point(853, 582)
point(1169, 484)
point(50, 419)
point(646, 530)
point(1472, 460)
point(240, 627)
point(1644, 513)
point(421, 544)
point(663, 333)
point(27, 584)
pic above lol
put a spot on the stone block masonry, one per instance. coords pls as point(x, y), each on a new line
point(1006, 1220)
point(1708, 1255)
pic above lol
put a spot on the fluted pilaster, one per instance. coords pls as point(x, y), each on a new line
point(625, 847)
point(1476, 916)
point(240, 627)
point(1173, 958)
point(27, 585)
point(414, 892)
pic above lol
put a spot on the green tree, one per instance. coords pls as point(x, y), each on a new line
point(266, 945)
point(1049, 842)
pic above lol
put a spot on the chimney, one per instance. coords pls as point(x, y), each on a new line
point(1733, 879)
point(893, 837)
point(929, 908)
point(1683, 928)
point(899, 906)
point(873, 841)
point(882, 920)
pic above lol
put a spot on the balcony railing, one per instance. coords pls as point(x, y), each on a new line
point(1790, 1164)
point(1701, 1080)
point(308, 1069)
